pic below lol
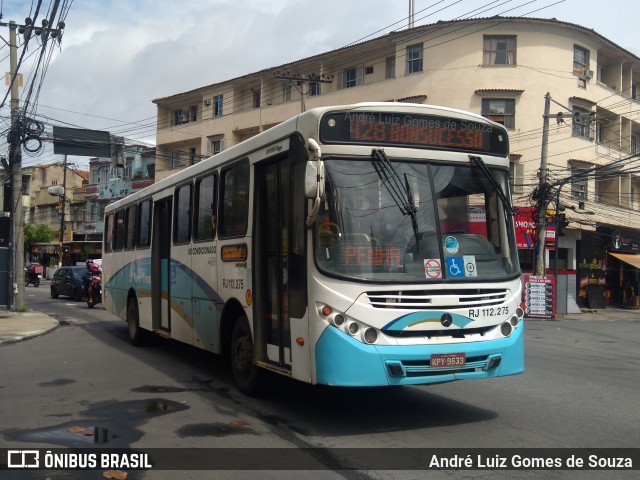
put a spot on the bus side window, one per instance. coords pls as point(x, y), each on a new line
point(143, 224)
point(108, 233)
point(234, 204)
point(204, 227)
point(130, 226)
point(182, 217)
point(118, 234)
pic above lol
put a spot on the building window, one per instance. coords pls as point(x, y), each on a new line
point(174, 160)
point(634, 145)
point(256, 99)
point(193, 158)
point(516, 173)
point(500, 110)
point(286, 93)
point(180, 116)
point(414, 58)
point(193, 113)
point(580, 61)
point(351, 77)
point(390, 67)
point(581, 126)
point(499, 50)
point(579, 182)
point(314, 89)
point(216, 146)
point(217, 106)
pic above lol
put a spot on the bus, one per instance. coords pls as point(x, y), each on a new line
point(361, 245)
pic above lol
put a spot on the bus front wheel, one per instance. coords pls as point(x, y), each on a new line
point(133, 321)
point(243, 366)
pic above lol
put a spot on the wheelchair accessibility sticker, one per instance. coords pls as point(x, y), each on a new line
point(455, 267)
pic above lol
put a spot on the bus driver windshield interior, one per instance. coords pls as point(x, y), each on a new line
point(408, 221)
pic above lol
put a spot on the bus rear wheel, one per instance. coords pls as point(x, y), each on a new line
point(136, 334)
point(243, 366)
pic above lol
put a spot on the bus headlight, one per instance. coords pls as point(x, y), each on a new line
point(353, 328)
point(358, 330)
point(370, 335)
point(506, 329)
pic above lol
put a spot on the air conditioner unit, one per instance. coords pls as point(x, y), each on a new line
point(588, 74)
point(207, 101)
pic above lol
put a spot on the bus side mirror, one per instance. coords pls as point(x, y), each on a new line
point(314, 179)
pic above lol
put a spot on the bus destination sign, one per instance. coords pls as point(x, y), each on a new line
point(413, 130)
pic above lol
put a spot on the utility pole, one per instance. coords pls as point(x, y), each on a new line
point(15, 149)
point(15, 161)
point(301, 80)
point(542, 203)
point(63, 204)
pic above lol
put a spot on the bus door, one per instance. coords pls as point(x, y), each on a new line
point(273, 334)
point(161, 265)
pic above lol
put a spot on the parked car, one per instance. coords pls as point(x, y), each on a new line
point(69, 281)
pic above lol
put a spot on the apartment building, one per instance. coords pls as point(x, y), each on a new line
point(40, 207)
point(501, 68)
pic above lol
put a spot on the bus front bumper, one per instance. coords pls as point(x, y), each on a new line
point(343, 361)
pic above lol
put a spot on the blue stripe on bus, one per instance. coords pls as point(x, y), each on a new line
point(416, 318)
point(185, 283)
point(343, 361)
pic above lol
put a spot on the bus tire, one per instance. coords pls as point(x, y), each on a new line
point(245, 371)
point(136, 334)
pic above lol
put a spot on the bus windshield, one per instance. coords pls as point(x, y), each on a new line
point(408, 221)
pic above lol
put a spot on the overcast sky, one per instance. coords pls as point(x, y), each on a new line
point(116, 56)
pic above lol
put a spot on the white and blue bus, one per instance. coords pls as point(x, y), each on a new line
point(359, 245)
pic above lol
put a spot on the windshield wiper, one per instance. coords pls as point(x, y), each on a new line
point(477, 161)
point(392, 182)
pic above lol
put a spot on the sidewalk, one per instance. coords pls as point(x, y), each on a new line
point(18, 326)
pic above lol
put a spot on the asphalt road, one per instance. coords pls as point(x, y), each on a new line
point(84, 386)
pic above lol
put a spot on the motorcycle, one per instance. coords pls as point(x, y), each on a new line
point(33, 275)
point(94, 285)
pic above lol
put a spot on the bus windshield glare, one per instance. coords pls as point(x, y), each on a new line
point(414, 222)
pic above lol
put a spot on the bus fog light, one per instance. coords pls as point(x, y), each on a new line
point(519, 312)
point(353, 328)
point(370, 335)
point(338, 320)
point(506, 329)
point(514, 320)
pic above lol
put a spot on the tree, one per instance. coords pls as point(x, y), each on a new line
point(36, 234)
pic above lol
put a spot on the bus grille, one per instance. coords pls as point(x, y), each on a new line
point(438, 299)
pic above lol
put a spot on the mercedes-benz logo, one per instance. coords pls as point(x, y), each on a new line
point(446, 320)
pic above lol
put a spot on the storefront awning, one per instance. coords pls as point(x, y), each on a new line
point(631, 259)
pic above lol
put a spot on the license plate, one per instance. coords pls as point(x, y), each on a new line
point(447, 360)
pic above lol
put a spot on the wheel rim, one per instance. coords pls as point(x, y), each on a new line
point(242, 356)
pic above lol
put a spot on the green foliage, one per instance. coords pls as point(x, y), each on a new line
point(36, 234)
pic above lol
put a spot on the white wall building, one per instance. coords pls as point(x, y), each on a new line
point(499, 67)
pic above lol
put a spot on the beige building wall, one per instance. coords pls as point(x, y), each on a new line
point(42, 208)
point(454, 74)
